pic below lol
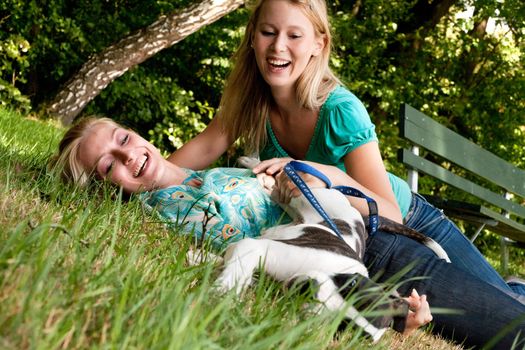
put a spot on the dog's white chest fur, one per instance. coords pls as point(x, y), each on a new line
point(287, 251)
point(282, 261)
point(307, 249)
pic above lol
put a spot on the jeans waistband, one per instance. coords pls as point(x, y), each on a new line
point(416, 197)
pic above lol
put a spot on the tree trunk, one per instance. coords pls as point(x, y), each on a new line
point(424, 16)
point(115, 60)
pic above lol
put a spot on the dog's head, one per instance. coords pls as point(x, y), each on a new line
point(364, 303)
point(383, 308)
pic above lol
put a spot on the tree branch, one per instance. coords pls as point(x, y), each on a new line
point(104, 67)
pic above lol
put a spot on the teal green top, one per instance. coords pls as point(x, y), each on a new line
point(228, 206)
point(343, 125)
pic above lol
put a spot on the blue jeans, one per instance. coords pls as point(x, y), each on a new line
point(481, 310)
point(427, 219)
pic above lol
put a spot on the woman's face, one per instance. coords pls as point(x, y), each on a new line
point(123, 157)
point(284, 41)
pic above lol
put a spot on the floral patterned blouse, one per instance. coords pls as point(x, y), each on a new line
point(228, 206)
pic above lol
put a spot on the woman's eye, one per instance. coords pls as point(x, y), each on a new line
point(124, 139)
point(295, 36)
point(109, 167)
point(267, 33)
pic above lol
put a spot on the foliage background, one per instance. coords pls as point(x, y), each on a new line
point(386, 52)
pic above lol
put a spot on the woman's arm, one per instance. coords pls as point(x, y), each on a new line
point(367, 174)
point(203, 149)
point(365, 167)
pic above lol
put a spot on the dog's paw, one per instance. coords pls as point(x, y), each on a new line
point(233, 278)
point(248, 162)
point(196, 257)
point(241, 260)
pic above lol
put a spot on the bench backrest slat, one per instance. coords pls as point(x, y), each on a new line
point(506, 226)
point(427, 167)
point(424, 131)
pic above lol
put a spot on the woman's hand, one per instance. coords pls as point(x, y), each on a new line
point(267, 182)
point(194, 183)
point(418, 314)
point(285, 189)
point(271, 166)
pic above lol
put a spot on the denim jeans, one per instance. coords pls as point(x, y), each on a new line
point(477, 311)
point(427, 219)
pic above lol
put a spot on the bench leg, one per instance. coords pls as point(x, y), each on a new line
point(504, 255)
point(504, 243)
point(476, 234)
point(412, 178)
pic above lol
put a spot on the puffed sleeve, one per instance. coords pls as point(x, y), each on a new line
point(346, 125)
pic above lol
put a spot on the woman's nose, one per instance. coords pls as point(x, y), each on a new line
point(126, 155)
point(279, 43)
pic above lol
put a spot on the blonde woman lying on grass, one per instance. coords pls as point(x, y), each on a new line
point(233, 203)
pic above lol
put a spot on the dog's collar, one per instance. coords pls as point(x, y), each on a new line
point(373, 212)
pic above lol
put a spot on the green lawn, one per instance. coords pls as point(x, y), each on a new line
point(81, 269)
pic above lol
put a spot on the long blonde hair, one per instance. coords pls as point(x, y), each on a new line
point(67, 163)
point(246, 101)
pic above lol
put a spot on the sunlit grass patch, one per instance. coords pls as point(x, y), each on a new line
point(81, 268)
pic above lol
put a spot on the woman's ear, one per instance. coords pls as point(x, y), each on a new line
point(319, 45)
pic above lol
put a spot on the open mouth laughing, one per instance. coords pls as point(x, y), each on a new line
point(278, 63)
point(140, 165)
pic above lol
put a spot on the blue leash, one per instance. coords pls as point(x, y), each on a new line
point(291, 170)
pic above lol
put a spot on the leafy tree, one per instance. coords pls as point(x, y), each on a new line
point(387, 53)
point(63, 34)
point(115, 60)
point(13, 63)
point(418, 52)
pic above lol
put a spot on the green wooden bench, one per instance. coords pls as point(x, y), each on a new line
point(449, 157)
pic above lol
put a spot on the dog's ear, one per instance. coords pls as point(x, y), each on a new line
point(303, 285)
point(248, 162)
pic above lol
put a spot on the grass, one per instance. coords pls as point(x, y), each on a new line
point(80, 270)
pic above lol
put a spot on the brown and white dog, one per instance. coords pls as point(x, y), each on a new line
point(308, 250)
